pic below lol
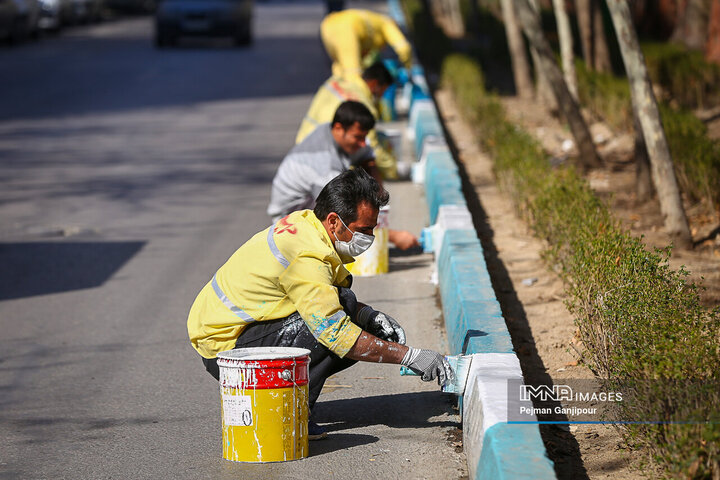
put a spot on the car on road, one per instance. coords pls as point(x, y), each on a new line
point(56, 13)
point(208, 18)
point(19, 19)
point(131, 6)
point(87, 11)
point(8, 16)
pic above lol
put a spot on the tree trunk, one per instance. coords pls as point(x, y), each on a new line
point(584, 19)
point(677, 35)
point(436, 12)
point(667, 13)
point(566, 47)
point(592, 35)
point(601, 53)
point(455, 18)
point(692, 26)
point(474, 15)
point(530, 22)
point(646, 109)
point(656, 18)
point(643, 177)
point(518, 55)
point(544, 90)
point(544, 93)
point(712, 47)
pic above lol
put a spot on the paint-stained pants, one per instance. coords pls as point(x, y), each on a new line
point(292, 331)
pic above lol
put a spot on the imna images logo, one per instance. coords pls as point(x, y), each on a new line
point(546, 393)
point(559, 393)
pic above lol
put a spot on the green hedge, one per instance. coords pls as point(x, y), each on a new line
point(684, 75)
point(696, 156)
point(641, 322)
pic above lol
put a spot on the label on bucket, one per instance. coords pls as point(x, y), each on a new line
point(237, 410)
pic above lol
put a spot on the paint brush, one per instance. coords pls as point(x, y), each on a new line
point(460, 365)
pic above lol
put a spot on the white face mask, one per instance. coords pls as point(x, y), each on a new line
point(357, 244)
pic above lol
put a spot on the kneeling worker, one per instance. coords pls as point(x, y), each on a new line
point(329, 150)
point(352, 37)
point(366, 90)
point(287, 286)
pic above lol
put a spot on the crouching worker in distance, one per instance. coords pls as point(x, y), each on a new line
point(287, 286)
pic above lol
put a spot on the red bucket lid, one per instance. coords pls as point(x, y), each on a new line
point(264, 367)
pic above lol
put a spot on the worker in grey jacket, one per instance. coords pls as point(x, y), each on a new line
point(329, 150)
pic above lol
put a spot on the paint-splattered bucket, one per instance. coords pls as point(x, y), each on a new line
point(375, 260)
point(264, 403)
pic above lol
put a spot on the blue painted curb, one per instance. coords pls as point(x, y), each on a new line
point(396, 13)
point(510, 452)
point(473, 317)
point(427, 125)
point(442, 182)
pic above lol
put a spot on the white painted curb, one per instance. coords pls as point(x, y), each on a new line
point(486, 401)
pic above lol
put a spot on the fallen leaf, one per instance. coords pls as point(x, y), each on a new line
point(574, 363)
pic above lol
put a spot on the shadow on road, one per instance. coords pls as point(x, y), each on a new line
point(41, 268)
point(340, 441)
point(402, 410)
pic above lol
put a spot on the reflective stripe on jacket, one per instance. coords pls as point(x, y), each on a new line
point(289, 267)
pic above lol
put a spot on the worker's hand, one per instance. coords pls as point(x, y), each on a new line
point(429, 365)
point(381, 325)
point(403, 239)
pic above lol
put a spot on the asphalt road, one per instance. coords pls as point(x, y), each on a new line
point(127, 176)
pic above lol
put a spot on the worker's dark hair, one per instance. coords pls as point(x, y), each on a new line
point(345, 192)
point(377, 71)
point(350, 112)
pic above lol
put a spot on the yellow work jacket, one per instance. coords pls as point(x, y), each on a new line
point(290, 267)
point(352, 35)
point(322, 110)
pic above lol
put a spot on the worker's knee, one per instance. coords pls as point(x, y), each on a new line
point(295, 333)
point(212, 367)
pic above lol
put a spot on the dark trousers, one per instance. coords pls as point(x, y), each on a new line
point(292, 331)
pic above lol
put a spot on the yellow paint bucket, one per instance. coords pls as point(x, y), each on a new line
point(375, 260)
point(264, 394)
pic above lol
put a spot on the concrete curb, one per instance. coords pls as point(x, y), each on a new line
point(495, 449)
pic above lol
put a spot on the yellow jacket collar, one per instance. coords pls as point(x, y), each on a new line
point(310, 215)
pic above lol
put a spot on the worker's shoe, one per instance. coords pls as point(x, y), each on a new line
point(316, 432)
